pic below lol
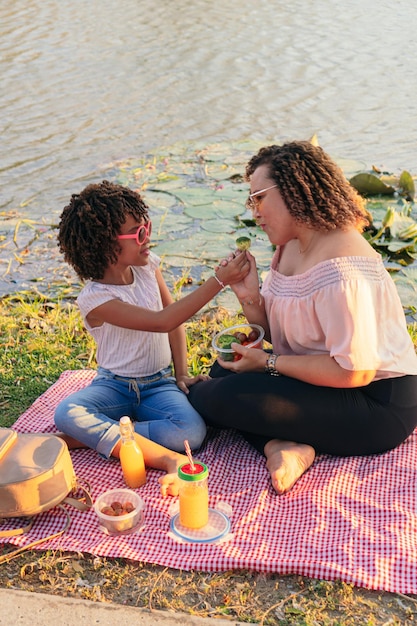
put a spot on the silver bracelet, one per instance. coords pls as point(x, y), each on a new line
point(250, 302)
point(270, 365)
point(222, 285)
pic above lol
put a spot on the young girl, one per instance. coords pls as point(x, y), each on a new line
point(104, 234)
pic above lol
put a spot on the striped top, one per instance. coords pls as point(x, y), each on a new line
point(132, 353)
point(347, 307)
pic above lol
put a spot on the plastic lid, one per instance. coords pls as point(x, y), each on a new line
point(185, 472)
point(124, 420)
point(218, 527)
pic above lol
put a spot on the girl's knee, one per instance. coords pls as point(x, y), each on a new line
point(196, 435)
point(61, 415)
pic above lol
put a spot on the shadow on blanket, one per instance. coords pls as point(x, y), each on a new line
point(352, 519)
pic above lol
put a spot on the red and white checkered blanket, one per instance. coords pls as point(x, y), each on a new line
point(351, 519)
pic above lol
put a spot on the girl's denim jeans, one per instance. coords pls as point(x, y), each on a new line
point(158, 409)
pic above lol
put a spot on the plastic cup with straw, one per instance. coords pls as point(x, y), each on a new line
point(193, 492)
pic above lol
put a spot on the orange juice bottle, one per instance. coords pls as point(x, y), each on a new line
point(193, 493)
point(131, 457)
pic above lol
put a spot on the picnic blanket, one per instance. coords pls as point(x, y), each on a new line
point(350, 519)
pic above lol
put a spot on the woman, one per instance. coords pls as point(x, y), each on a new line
point(342, 377)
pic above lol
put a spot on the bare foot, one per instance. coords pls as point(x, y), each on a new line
point(286, 462)
point(70, 441)
point(170, 484)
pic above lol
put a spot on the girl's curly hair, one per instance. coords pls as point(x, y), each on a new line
point(312, 185)
point(90, 223)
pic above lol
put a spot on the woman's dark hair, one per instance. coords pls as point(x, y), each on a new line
point(312, 185)
point(90, 224)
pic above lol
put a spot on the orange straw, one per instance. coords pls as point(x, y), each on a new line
point(189, 455)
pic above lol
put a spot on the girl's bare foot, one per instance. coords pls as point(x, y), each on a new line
point(70, 441)
point(286, 462)
point(170, 482)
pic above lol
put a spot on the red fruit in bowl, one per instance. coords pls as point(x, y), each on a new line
point(108, 510)
point(253, 336)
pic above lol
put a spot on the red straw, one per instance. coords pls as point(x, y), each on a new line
point(189, 455)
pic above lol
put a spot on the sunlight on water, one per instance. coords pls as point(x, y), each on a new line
point(86, 83)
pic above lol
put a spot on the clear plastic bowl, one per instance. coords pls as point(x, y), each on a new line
point(227, 354)
point(120, 524)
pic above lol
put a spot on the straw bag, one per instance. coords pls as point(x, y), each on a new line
point(36, 474)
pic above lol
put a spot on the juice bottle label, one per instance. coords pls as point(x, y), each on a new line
point(133, 465)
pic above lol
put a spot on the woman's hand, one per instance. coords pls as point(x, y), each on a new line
point(248, 287)
point(184, 382)
point(252, 360)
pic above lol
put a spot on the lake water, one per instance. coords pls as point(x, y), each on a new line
point(85, 83)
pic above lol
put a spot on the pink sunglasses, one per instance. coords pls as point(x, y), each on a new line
point(141, 235)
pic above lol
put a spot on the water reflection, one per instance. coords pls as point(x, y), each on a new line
point(85, 83)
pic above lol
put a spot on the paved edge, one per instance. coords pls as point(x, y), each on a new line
point(23, 608)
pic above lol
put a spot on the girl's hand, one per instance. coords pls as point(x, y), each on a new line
point(252, 360)
point(184, 382)
point(234, 268)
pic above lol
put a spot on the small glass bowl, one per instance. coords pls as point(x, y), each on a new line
point(228, 354)
point(120, 524)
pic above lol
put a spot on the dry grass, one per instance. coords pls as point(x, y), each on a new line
point(244, 596)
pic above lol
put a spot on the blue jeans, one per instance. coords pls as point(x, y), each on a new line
point(158, 409)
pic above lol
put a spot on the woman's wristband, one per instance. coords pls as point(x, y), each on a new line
point(270, 365)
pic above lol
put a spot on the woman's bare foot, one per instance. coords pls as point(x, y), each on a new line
point(286, 462)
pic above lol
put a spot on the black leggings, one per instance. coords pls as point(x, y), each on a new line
point(342, 422)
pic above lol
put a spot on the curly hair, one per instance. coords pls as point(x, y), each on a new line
point(312, 185)
point(90, 223)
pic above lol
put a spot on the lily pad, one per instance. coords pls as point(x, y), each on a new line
point(219, 226)
point(406, 284)
point(216, 209)
point(203, 212)
point(398, 246)
point(206, 249)
point(158, 200)
point(228, 301)
point(406, 184)
point(263, 255)
point(169, 223)
point(369, 184)
point(233, 190)
point(195, 196)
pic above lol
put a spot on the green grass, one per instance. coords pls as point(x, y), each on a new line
point(40, 339)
